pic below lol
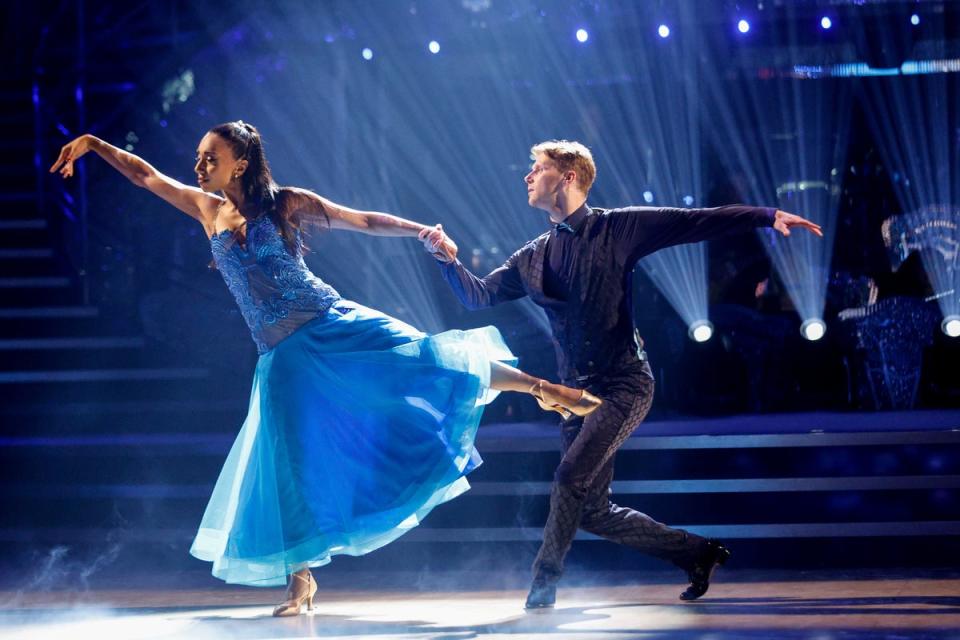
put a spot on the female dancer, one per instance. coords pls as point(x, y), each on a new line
point(358, 424)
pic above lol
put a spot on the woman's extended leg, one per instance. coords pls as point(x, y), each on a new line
point(549, 395)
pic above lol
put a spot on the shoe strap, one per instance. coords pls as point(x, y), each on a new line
point(308, 579)
point(537, 390)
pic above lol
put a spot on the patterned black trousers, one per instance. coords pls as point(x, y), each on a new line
point(580, 494)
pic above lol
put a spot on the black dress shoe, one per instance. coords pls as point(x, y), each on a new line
point(702, 571)
point(543, 594)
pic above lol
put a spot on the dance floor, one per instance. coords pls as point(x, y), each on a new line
point(743, 605)
point(817, 491)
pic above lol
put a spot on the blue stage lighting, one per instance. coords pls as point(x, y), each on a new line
point(813, 329)
point(902, 113)
point(663, 31)
point(660, 162)
point(367, 53)
point(795, 172)
point(743, 26)
point(951, 326)
point(434, 46)
point(688, 200)
point(701, 330)
point(582, 35)
point(825, 23)
point(914, 19)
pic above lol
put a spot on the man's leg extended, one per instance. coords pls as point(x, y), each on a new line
point(634, 529)
point(585, 456)
point(696, 555)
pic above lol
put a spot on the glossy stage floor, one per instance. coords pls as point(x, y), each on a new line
point(842, 526)
point(740, 605)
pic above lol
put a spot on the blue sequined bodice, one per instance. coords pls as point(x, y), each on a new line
point(276, 292)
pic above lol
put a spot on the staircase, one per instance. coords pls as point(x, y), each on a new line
point(58, 353)
point(824, 497)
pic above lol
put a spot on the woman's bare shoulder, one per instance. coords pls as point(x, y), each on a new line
point(209, 211)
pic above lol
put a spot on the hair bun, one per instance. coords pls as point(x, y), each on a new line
point(246, 126)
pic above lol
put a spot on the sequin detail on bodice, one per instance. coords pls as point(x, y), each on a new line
point(276, 292)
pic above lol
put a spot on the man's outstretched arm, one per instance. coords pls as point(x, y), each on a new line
point(501, 284)
point(643, 230)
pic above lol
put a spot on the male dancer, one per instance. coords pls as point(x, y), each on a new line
point(580, 272)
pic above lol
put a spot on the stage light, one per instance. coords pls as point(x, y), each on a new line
point(664, 31)
point(825, 23)
point(914, 19)
point(688, 200)
point(951, 326)
point(582, 35)
point(743, 26)
point(781, 134)
point(813, 329)
point(648, 197)
point(434, 46)
point(701, 330)
point(367, 53)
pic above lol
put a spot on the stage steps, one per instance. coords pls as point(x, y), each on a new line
point(54, 350)
point(886, 498)
point(57, 346)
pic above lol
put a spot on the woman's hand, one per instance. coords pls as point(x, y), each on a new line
point(438, 243)
point(191, 200)
point(70, 153)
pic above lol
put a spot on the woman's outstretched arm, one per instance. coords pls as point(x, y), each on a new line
point(312, 207)
point(191, 200)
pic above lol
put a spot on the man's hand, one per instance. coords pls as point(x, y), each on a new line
point(783, 222)
point(438, 244)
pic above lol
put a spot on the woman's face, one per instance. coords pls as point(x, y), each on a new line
point(216, 165)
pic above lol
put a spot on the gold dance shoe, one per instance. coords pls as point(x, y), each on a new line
point(586, 404)
point(301, 590)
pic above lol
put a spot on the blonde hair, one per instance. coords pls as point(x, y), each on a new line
point(569, 156)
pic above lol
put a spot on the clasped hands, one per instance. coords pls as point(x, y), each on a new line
point(438, 243)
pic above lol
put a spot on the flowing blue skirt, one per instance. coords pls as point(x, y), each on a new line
point(358, 426)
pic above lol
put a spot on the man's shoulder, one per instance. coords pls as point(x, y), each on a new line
point(601, 216)
point(531, 245)
point(613, 211)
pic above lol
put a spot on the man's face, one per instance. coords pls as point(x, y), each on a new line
point(544, 182)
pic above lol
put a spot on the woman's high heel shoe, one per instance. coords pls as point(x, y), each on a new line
point(301, 590)
point(586, 404)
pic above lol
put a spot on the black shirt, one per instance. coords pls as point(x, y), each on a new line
point(580, 274)
point(562, 255)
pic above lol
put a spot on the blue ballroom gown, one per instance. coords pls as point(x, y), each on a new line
point(358, 424)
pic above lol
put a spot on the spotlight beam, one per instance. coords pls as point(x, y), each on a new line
point(660, 156)
point(788, 138)
point(915, 119)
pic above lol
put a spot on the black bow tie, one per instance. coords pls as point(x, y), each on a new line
point(563, 226)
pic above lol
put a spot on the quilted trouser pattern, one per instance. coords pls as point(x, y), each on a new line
point(579, 496)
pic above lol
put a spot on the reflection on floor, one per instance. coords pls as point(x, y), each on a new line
point(742, 606)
